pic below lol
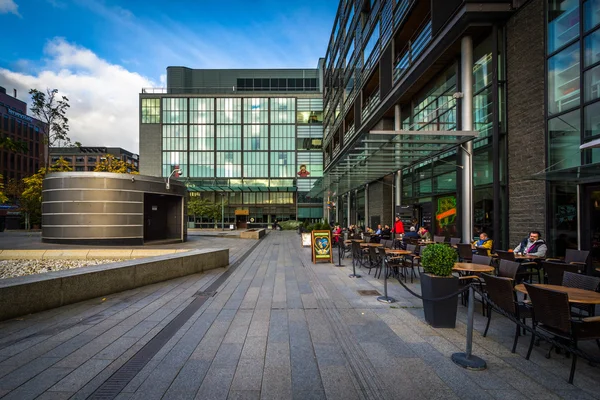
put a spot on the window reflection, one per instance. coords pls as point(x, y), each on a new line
point(563, 141)
point(563, 22)
point(563, 80)
point(591, 14)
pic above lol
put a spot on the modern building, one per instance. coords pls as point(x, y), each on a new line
point(86, 158)
point(25, 131)
point(251, 139)
point(523, 75)
point(19, 127)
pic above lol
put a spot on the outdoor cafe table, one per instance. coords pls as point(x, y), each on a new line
point(575, 295)
point(371, 245)
point(470, 267)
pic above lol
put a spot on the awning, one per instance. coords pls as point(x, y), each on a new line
point(578, 175)
point(237, 188)
point(380, 153)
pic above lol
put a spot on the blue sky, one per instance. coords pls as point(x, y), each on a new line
point(99, 50)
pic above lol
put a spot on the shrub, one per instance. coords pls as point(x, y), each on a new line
point(438, 259)
point(290, 225)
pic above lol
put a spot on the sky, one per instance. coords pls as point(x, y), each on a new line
point(101, 53)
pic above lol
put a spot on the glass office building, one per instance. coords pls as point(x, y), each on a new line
point(249, 138)
point(522, 74)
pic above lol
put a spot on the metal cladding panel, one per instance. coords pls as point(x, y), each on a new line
point(97, 205)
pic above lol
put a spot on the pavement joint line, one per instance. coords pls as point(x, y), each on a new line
point(113, 386)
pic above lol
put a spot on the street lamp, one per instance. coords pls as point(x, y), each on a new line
point(175, 171)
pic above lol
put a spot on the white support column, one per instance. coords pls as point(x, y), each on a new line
point(348, 209)
point(367, 205)
point(398, 176)
point(337, 211)
point(466, 69)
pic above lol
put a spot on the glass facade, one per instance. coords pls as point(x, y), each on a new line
point(266, 152)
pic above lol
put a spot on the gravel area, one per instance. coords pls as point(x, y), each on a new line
point(12, 268)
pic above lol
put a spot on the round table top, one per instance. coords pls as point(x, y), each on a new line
point(371, 244)
point(470, 267)
point(575, 295)
point(397, 251)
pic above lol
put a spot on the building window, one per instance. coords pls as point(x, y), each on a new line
point(172, 160)
point(283, 110)
point(256, 111)
point(229, 111)
point(229, 137)
point(563, 23)
point(174, 137)
point(202, 164)
point(150, 111)
point(592, 120)
point(229, 164)
point(202, 137)
point(283, 137)
point(563, 80)
point(591, 16)
point(91, 159)
point(256, 137)
point(174, 110)
point(256, 164)
point(309, 117)
point(202, 111)
point(563, 141)
point(283, 164)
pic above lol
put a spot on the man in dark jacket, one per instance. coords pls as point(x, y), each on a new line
point(534, 245)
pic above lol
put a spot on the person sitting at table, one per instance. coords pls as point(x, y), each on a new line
point(484, 242)
point(415, 224)
point(379, 230)
point(386, 233)
point(534, 245)
point(424, 234)
point(412, 233)
point(337, 232)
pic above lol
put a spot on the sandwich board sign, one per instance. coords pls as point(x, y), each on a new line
point(321, 246)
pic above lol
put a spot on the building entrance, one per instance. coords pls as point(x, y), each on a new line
point(591, 236)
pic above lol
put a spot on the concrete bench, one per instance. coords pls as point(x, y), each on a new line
point(28, 294)
point(253, 234)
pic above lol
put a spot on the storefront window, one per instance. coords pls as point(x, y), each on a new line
point(592, 84)
point(563, 224)
point(563, 22)
point(563, 141)
point(563, 80)
point(591, 16)
point(592, 48)
point(592, 120)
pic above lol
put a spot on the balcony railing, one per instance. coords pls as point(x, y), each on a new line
point(416, 45)
point(370, 103)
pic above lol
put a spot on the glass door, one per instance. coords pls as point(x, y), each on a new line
point(593, 200)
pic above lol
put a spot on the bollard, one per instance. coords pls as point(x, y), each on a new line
point(385, 298)
point(466, 359)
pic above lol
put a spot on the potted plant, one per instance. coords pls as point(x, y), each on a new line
point(437, 281)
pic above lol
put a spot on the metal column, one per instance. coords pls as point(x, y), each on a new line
point(337, 211)
point(367, 205)
point(348, 208)
point(398, 176)
point(466, 70)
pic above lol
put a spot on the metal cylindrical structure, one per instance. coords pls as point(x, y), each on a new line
point(466, 69)
point(110, 208)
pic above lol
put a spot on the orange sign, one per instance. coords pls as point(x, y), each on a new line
point(242, 212)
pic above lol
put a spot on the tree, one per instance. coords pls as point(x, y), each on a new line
point(52, 111)
point(3, 198)
point(112, 164)
point(205, 208)
point(31, 198)
point(17, 146)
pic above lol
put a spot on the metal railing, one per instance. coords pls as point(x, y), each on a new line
point(222, 89)
point(416, 45)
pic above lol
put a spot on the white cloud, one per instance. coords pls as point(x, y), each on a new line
point(103, 96)
point(9, 6)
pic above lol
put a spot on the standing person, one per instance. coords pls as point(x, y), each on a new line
point(534, 245)
point(398, 226)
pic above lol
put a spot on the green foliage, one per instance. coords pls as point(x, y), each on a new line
point(205, 208)
point(290, 225)
point(52, 111)
point(438, 259)
point(3, 198)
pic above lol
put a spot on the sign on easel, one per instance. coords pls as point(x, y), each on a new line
point(321, 246)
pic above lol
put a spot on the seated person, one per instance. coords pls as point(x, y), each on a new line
point(337, 232)
point(378, 230)
point(484, 242)
point(533, 246)
point(412, 233)
point(386, 233)
point(424, 234)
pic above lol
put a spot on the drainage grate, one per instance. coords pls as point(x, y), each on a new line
point(117, 381)
point(369, 293)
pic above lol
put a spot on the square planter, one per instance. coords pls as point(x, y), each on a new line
point(439, 314)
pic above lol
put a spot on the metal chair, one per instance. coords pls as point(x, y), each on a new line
point(439, 239)
point(584, 282)
point(552, 316)
point(576, 256)
point(482, 252)
point(505, 255)
point(465, 252)
point(500, 291)
point(454, 241)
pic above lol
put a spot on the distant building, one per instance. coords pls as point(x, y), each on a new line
point(86, 158)
point(252, 137)
point(19, 127)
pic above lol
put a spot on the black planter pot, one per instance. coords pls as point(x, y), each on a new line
point(439, 314)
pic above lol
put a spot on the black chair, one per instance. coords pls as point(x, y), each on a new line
point(482, 252)
point(465, 253)
point(500, 291)
point(454, 241)
point(410, 261)
point(374, 260)
point(576, 256)
point(584, 282)
point(505, 255)
point(508, 269)
point(484, 260)
point(552, 316)
point(439, 239)
point(554, 271)
point(358, 255)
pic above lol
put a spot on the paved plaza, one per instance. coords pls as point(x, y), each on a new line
point(279, 327)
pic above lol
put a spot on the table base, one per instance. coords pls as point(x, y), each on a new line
point(386, 299)
point(472, 363)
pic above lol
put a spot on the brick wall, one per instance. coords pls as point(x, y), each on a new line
point(526, 121)
point(380, 200)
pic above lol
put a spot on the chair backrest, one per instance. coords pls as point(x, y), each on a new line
point(367, 238)
point(439, 239)
point(580, 281)
point(454, 241)
point(500, 290)
point(356, 249)
point(508, 269)
point(411, 247)
point(464, 251)
point(550, 308)
point(485, 260)
point(580, 256)
point(506, 255)
point(482, 252)
point(555, 270)
point(387, 243)
point(374, 255)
